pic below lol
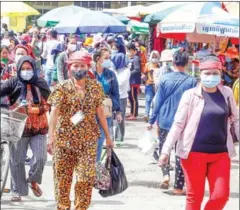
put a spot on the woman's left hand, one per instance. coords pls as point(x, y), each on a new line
point(119, 117)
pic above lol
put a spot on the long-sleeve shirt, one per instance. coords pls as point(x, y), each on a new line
point(135, 68)
point(123, 76)
point(169, 93)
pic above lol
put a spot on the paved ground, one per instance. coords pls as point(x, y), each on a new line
point(143, 176)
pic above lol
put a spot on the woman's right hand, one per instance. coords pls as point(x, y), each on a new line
point(163, 160)
point(149, 127)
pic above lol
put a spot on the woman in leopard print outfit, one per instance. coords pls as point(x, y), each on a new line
point(73, 132)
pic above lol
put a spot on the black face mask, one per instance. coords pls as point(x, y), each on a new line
point(78, 75)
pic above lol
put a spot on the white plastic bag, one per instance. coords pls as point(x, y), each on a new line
point(147, 143)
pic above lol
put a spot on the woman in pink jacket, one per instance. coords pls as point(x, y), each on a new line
point(202, 130)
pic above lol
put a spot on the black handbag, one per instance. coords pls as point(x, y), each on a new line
point(232, 128)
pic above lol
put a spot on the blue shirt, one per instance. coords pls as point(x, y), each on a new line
point(105, 84)
point(109, 83)
point(171, 88)
point(211, 136)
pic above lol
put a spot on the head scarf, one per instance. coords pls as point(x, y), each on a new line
point(119, 60)
point(210, 62)
point(34, 82)
point(80, 57)
point(26, 38)
point(154, 52)
point(119, 42)
point(22, 46)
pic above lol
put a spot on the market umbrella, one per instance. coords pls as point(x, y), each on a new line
point(90, 22)
point(232, 8)
point(199, 22)
point(54, 16)
point(138, 27)
point(123, 19)
point(156, 17)
point(160, 7)
point(132, 11)
point(17, 9)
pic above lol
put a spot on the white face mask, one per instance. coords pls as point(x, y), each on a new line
point(154, 60)
point(17, 58)
point(27, 75)
point(72, 47)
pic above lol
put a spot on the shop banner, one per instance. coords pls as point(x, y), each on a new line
point(218, 30)
point(176, 27)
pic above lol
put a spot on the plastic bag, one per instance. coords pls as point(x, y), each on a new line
point(118, 178)
point(147, 143)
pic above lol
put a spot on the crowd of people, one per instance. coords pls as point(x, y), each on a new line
point(86, 83)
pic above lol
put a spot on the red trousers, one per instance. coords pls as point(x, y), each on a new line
point(214, 167)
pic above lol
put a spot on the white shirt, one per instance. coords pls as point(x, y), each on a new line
point(48, 47)
point(123, 77)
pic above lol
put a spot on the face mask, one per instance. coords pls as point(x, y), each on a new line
point(154, 60)
point(72, 47)
point(114, 52)
point(169, 64)
point(210, 81)
point(17, 58)
point(228, 59)
point(106, 63)
point(79, 74)
point(26, 75)
point(5, 60)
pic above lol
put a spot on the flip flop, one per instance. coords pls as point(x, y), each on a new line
point(171, 192)
point(37, 192)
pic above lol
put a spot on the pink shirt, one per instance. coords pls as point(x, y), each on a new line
point(187, 119)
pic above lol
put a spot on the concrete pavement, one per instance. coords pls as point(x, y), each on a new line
point(143, 177)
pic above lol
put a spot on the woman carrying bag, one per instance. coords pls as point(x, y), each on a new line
point(205, 144)
point(109, 82)
point(27, 88)
point(74, 131)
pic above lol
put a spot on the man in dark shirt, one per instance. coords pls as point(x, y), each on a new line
point(135, 80)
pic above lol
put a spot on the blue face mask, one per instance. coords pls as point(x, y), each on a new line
point(228, 59)
point(26, 75)
point(210, 81)
point(114, 52)
point(107, 63)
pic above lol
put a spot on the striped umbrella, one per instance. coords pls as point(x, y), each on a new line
point(138, 27)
